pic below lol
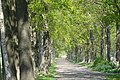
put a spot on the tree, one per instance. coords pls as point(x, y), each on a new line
point(7, 73)
point(24, 43)
point(108, 43)
point(11, 37)
point(117, 20)
point(40, 23)
point(102, 43)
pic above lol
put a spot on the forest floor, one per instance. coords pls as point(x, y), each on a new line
point(69, 71)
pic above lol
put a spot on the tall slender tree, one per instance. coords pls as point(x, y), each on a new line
point(117, 12)
point(108, 43)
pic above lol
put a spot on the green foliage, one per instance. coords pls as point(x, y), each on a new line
point(70, 21)
point(102, 65)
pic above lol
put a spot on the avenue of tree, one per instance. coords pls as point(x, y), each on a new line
point(34, 32)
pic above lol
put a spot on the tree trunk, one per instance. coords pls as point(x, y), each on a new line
point(118, 41)
point(91, 46)
point(87, 51)
point(79, 54)
point(46, 51)
point(82, 52)
point(76, 53)
point(42, 52)
point(24, 37)
point(7, 75)
point(49, 49)
point(11, 37)
point(0, 72)
point(102, 41)
point(117, 33)
point(37, 50)
point(0, 59)
point(108, 43)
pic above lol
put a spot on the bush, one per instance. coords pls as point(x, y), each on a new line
point(102, 65)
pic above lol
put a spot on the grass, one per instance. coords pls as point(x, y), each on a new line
point(112, 77)
point(51, 73)
point(86, 64)
point(101, 65)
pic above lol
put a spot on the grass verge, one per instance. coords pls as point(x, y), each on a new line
point(108, 68)
point(112, 77)
point(51, 73)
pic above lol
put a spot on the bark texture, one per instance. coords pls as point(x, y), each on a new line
point(102, 41)
point(11, 37)
point(108, 43)
point(117, 12)
point(24, 37)
point(118, 41)
point(7, 75)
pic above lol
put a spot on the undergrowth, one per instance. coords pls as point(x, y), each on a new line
point(50, 76)
point(102, 65)
point(113, 77)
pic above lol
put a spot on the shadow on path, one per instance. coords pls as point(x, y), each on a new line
point(69, 71)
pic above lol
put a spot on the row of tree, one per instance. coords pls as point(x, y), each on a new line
point(25, 46)
point(101, 38)
point(34, 31)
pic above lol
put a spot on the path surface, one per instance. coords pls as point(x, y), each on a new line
point(69, 71)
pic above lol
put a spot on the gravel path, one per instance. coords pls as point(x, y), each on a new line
point(69, 71)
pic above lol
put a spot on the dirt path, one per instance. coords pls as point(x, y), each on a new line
point(69, 71)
